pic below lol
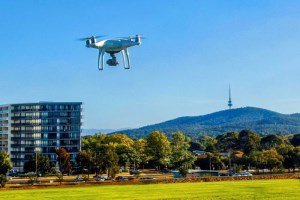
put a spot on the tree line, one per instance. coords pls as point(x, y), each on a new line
point(247, 149)
point(231, 151)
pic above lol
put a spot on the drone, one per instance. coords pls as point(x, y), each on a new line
point(111, 47)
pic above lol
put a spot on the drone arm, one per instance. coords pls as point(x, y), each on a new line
point(127, 57)
point(101, 59)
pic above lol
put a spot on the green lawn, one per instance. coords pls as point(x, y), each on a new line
point(258, 189)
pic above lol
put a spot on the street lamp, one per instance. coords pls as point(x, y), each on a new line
point(36, 163)
point(209, 163)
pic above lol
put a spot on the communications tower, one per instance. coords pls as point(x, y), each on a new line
point(229, 101)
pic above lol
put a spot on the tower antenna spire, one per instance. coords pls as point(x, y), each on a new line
point(229, 101)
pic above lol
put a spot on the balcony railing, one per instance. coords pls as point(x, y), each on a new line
point(4, 132)
point(22, 145)
point(26, 138)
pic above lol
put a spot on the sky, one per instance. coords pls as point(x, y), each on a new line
point(194, 49)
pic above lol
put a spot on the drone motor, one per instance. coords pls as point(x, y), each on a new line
point(88, 42)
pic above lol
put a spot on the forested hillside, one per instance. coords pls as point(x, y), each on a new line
point(259, 120)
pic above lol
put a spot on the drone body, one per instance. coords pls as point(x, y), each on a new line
point(113, 46)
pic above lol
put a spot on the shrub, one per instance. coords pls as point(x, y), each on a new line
point(31, 176)
point(183, 172)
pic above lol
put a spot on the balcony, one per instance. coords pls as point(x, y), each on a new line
point(19, 152)
point(22, 145)
point(25, 138)
point(26, 124)
point(4, 132)
point(25, 131)
point(17, 159)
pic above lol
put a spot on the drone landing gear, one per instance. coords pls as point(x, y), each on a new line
point(113, 61)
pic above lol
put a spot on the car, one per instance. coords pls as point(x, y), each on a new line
point(122, 178)
point(246, 174)
point(78, 179)
point(134, 171)
point(147, 178)
point(166, 170)
point(13, 173)
point(101, 178)
point(242, 174)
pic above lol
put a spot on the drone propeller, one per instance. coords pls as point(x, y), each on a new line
point(130, 38)
point(89, 38)
point(140, 36)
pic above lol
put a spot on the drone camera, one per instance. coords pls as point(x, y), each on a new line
point(112, 62)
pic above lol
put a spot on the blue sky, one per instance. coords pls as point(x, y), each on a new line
point(193, 50)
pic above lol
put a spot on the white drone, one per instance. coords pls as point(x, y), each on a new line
point(112, 46)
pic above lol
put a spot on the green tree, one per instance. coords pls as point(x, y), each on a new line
point(295, 140)
point(84, 161)
point(124, 148)
point(91, 143)
point(296, 157)
point(272, 159)
point(125, 154)
point(106, 159)
point(288, 153)
point(5, 166)
point(140, 156)
point(43, 164)
point(63, 159)
point(212, 161)
point(249, 141)
point(271, 141)
point(257, 159)
point(158, 148)
point(228, 141)
point(269, 159)
point(118, 139)
point(111, 160)
point(207, 143)
point(181, 156)
point(97, 145)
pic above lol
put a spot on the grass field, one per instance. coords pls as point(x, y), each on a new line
point(258, 189)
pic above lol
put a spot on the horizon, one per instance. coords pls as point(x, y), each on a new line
point(193, 51)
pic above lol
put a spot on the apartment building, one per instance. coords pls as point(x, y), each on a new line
point(30, 128)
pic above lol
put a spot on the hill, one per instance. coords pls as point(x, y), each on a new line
point(259, 120)
point(93, 131)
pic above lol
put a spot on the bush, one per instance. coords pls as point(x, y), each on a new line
point(85, 178)
point(60, 177)
point(31, 176)
point(183, 172)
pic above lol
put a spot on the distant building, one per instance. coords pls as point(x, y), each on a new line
point(199, 153)
point(225, 154)
point(29, 128)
